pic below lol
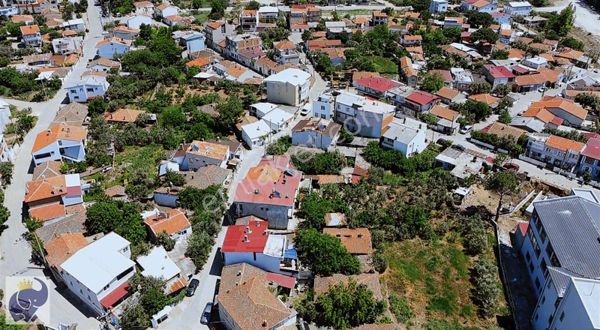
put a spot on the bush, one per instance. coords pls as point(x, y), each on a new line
point(280, 146)
point(319, 163)
point(485, 293)
point(400, 308)
point(474, 235)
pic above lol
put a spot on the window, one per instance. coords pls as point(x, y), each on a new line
point(89, 89)
point(562, 316)
point(543, 299)
point(527, 256)
point(537, 283)
point(530, 267)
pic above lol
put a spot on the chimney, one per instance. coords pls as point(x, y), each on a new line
point(48, 132)
point(248, 230)
point(246, 239)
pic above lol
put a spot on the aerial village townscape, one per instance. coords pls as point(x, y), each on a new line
point(266, 164)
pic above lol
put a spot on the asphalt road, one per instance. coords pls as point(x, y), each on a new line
point(15, 252)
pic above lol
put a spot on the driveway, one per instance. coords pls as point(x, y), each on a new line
point(15, 251)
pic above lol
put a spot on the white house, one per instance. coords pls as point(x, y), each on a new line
point(98, 273)
point(289, 86)
point(135, 22)
point(255, 134)
point(75, 25)
point(253, 244)
point(86, 88)
point(362, 116)
point(518, 8)
point(554, 150)
point(31, 35)
point(5, 115)
point(62, 46)
point(562, 256)
point(267, 15)
point(260, 109)
point(324, 106)
point(112, 47)
point(158, 264)
point(203, 153)
point(166, 10)
point(405, 135)
point(316, 133)
point(535, 62)
point(144, 7)
point(60, 142)
point(277, 119)
point(438, 6)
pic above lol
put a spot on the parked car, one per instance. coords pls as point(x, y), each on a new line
point(191, 289)
point(511, 167)
point(304, 111)
point(466, 129)
point(205, 318)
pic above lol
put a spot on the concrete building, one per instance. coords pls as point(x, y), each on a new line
point(316, 133)
point(60, 142)
point(112, 47)
point(216, 32)
point(86, 88)
point(203, 153)
point(498, 75)
point(518, 8)
point(48, 196)
point(561, 251)
point(590, 158)
point(289, 86)
point(268, 191)
point(65, 46)
point(136, 21)
point(405, 135)
point(554, 150)
point(255, 134)
point(253, 244)
point(144, 8)
point(324, 106)
point(31, 35)
point(447, 122)
point(98, 273)
point(248, 20)
point(192, 40)
point(438, 6)
point(362, 116)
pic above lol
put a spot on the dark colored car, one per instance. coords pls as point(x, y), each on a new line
point(191, 289)
point(205, 318)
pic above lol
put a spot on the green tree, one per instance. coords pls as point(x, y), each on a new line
point(175, 178)
point(562, 22)
point(588, 100)
point(217, 9)
point(474, 234)
point(486, 291)
point(6, 172)
point(324, 254)
point(280, 146)
point(503, 183)
point(432, 82)
point(314, 207)
point(499, 54)
point(319, 163)
point(97, 106)
point(474, 111)
point(504, 117)
point(252, 5)
point(485, 34)
point(478, 19)
point(344, 306)
point(230, 112)
point(501, 90)
point(210, 199)
point(121, 217)
point(165, 241)
point(572, 43)
point(134, 317)
point(480, 87)
point(199, 246)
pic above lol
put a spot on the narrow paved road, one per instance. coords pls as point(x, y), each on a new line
point(15, 252)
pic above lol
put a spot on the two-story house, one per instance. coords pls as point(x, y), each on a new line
point(48, 196)
point(60, 142)
point(112, 47)
point(498, 75)
point(406, 135)
point(124, 32)
point(447, 119)
point(518, 8)
point(144, 8)
point(316, 133)
point(31, 35)
point(248, 20)
point(204, 153)
point(244, 48)
point(252, 243)
point(99, 273)
point(86, 88)
point(419, 101)
point(378, 18)
point(324, 106)
point(192, 40)
point(375, 86)
point(165, 10)
point(362, 116)
point(438, 6)
point(286, 52)
point(172, 222)
point(269, 191)
point(554, 150)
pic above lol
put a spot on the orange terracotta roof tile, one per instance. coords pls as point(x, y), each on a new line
point(569, 106)
point(563, 144)
point(540, 113)
point(199, 62)
point(285, 44)
point(215, 24)
point(62, 247)
point(356, 240)
point(171, 222)
point(21, 18)
point(29, 29)
point(502, 130)
point(45, 188)
point(47, 212)
point(57, 132)
point(485, 98)
point(447, 93)
point(444, 112)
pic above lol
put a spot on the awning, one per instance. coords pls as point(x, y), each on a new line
point(283, 281)
point(113, 297)
point(290, 254)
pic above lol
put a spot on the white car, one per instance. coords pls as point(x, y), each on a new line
point(466, 129)
point(304, 111)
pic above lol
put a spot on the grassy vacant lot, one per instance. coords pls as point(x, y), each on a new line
point(434, 277)
point(384, 65)
point(144, 159)
point(201, 17)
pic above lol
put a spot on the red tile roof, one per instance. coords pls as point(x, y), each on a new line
point(272, 182)
point(284, 281)
point(246, 238)
point(499, 71)
point(592, 149)
point(378, 84)
point(421, 97)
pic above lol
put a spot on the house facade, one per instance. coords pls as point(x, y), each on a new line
point(316, 133)
point(112, 47)
point(554, 150)
point(361, 116)
point(87, 88)
point(60, 142)
point(289, 86)
point(324, 106)
point(203, 153)
point(405, 135)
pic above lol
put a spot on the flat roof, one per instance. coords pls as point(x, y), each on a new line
point(158, 264)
